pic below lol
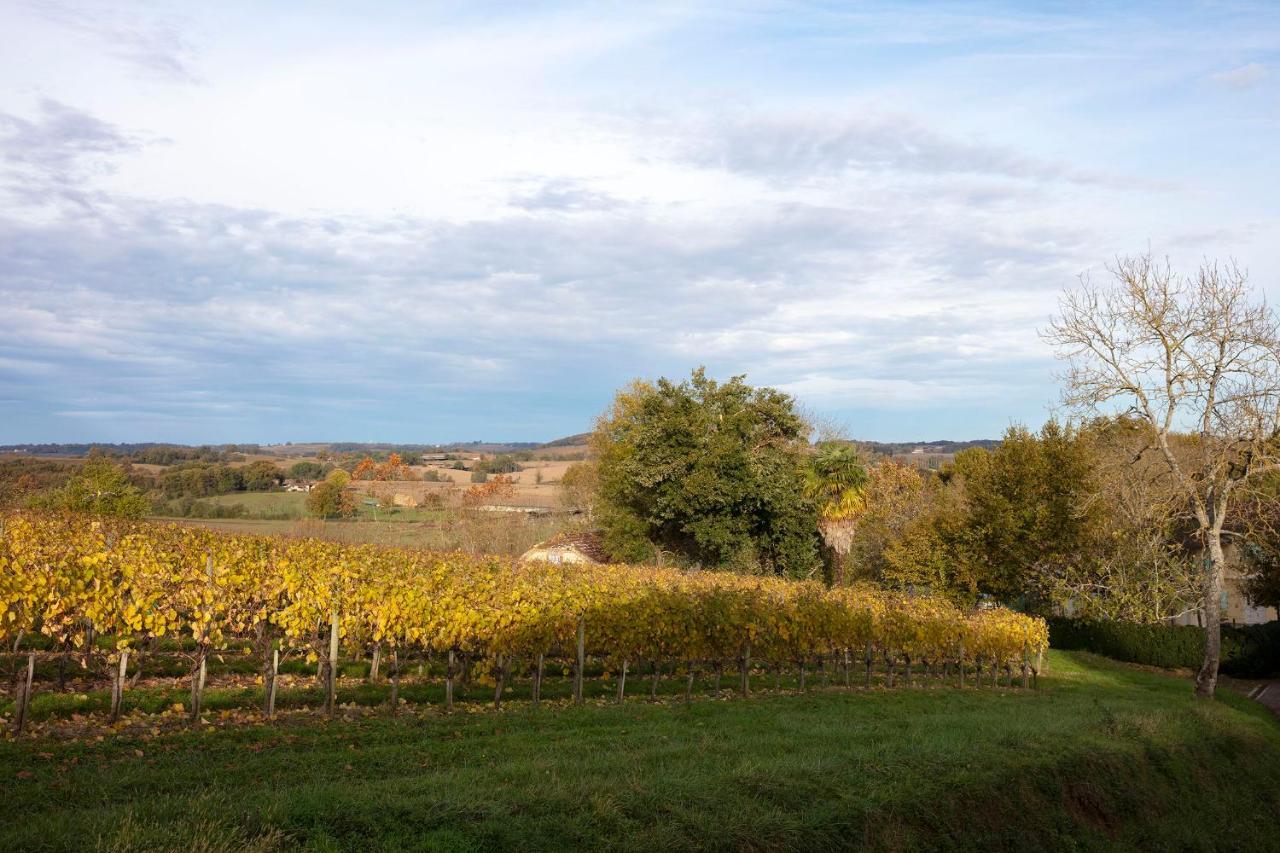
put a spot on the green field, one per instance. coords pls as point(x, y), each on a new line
point(1101, 757)
point(293, 505)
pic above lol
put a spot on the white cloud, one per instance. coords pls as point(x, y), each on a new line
point(1244, 77)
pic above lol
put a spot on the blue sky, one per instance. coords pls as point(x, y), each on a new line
point(453, 221)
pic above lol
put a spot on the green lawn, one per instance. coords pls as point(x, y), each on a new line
point(1101, 757)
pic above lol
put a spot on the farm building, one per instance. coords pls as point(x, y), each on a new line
point(569, 548)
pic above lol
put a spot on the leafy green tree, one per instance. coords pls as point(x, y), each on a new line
point(306, 470)
point(101, 487)
point(261, 476)
point(711, 472)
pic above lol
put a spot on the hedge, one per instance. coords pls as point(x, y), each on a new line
point(1248, 651)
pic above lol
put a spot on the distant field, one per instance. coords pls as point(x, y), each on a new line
point(293, 505)
point(488, 533)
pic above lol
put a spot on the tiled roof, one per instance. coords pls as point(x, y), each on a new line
point(588, 544)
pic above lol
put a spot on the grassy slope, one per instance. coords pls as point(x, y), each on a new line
point(1102, 757)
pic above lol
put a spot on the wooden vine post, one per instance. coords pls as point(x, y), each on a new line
point(271, 686)
point(395, 681)
point(373, 664)
point(198, 674)
point(117, 686)
point(23, 699)
point(688, 683)
point(500, 680)
point(745, 665)
point(448, 682)
point(331, 676)
point(537, 679)
point(579, 671)
point(622, 681)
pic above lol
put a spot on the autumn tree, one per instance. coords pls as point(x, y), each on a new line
point(330, 498)
point(578, 487)
point(1182, 354)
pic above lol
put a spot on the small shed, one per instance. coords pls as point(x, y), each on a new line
point(569, 548)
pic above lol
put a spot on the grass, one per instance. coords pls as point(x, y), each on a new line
point(1103, 757)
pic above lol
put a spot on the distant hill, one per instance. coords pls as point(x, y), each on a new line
point(568, 441)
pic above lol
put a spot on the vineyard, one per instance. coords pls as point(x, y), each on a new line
point(72, 587)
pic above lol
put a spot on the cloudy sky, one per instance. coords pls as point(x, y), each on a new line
point(427, 222)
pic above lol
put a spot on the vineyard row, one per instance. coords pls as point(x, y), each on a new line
point(71, 578)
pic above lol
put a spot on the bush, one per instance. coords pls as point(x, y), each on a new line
point(479, 477)
point(1248, 651)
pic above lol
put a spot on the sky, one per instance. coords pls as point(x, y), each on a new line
point(433, 222)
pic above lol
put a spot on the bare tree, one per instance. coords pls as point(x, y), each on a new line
point(1196, 361)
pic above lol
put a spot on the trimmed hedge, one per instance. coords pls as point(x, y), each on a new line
point(1248, 651)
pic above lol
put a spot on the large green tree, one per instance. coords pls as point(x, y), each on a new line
point(712, 473)
point(101, 487)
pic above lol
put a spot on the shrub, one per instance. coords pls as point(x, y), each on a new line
point(1248, 651)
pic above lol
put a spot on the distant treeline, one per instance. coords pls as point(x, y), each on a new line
point(150, 453)
point(200, 480)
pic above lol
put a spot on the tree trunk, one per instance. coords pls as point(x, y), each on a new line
point(1207, 677)
point(745, 688)
point(373, 664)
point(688, 684)
point(653, 683)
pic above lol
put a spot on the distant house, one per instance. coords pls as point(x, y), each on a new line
point(1234, 604)
point(297, 486)
point(569, 548)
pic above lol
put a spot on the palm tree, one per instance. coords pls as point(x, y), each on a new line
point(835, 481)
